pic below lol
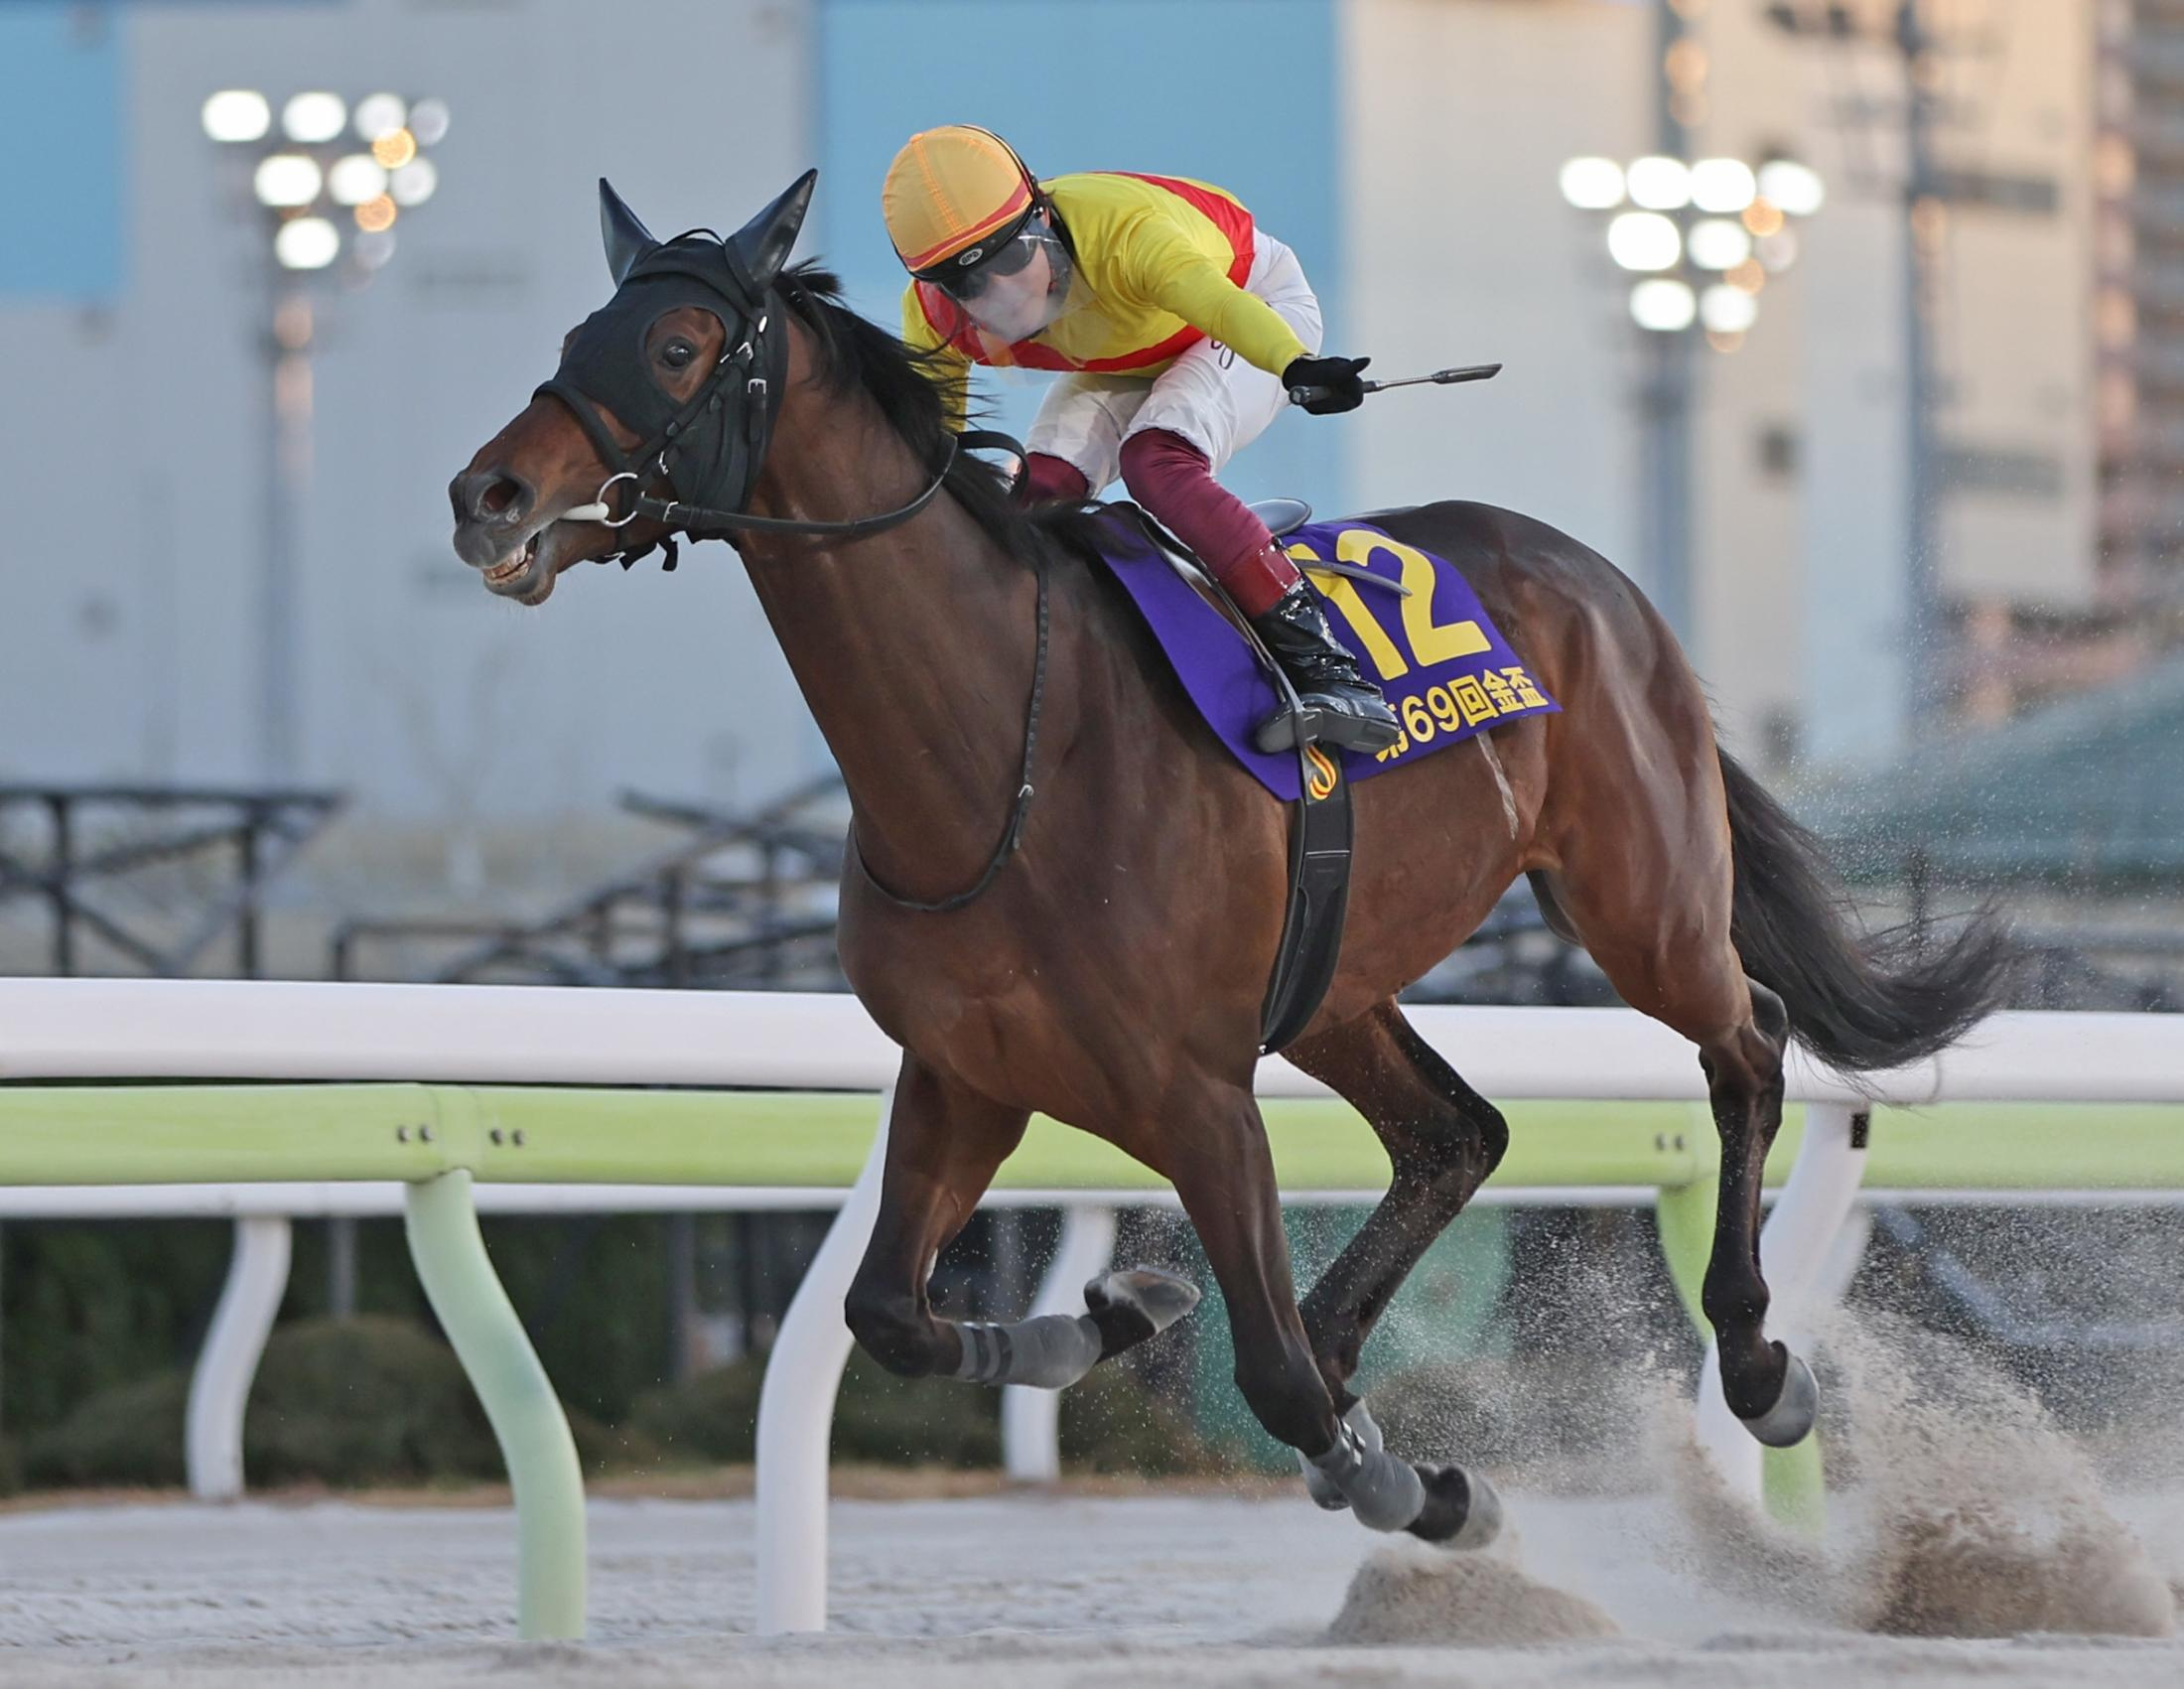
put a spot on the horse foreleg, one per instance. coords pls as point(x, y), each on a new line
point(944, 1143)
point(1224, 1175)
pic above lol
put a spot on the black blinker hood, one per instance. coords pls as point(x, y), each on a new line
point(709, 448)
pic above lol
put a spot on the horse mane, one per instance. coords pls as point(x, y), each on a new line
point(858, 353)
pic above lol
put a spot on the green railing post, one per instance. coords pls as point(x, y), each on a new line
point(1793, 1481)
point(488, 1339)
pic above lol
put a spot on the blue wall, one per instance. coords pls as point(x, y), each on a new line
point(1238, 92)
point(61, 133)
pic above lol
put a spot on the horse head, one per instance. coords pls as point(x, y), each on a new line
point(667, 389)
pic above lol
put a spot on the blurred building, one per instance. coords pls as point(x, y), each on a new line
point(2138, 308)
point(1409, 149)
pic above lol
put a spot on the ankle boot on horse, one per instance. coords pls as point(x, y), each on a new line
point(1339, 705)
point(1051, 1351)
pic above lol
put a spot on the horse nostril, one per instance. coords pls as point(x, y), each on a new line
point(493, 495)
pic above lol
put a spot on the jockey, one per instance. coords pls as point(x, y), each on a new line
point(1180, 327)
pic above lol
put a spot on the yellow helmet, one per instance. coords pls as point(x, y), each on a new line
point(951, 188)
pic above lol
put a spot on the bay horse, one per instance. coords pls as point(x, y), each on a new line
point(1107, 961)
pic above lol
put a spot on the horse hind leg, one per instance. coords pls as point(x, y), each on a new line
point(1766, 1386)
point(1657, 920)
point(944, 1143)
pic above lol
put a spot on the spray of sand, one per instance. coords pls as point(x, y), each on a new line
point(1409, 1592)
point(1967, 1513)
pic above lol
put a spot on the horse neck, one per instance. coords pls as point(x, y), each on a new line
point(913, 649)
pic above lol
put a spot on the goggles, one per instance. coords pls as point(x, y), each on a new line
point(976, 268)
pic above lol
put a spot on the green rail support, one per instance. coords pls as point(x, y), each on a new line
point(541, 1455)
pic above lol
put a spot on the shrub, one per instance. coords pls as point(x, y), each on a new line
point(128, 1434)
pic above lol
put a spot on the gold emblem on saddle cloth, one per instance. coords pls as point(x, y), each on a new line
point(1320, 786)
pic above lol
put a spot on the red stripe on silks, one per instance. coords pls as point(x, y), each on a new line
point(1223, 212)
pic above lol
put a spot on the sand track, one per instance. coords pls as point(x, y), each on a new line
point(1029, 1590)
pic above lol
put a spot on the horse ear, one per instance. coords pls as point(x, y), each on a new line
point(764, 242)
point(627, 239)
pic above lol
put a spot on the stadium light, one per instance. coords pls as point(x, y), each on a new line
point(1663, 306)
point(1644, 240)
point(1659, 183)
point(413, 183)
point(1794, 187)
point(1723, 184)
point(1719, 244)
point(287, 181)
point(428, 121)
point(306, 243)
point(312, 118)
point(1699, 231)
point(1592, 184)
point(236, 115)
point(354, 179)
point(322, 189)
point(1727, 310)
point(380, 115)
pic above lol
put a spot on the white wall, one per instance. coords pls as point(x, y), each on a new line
point(1460, 114)
point(128, 644)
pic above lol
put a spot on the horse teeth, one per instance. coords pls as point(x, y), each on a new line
point(516, 564)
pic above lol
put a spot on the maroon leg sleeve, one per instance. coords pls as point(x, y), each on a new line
point(1171, 477)
point(1049, 476)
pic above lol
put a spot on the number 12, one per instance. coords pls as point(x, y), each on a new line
point(1430, 643)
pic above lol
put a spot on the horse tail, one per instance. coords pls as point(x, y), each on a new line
point(1859, 1001)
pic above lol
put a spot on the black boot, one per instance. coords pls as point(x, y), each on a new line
point(1340, 706)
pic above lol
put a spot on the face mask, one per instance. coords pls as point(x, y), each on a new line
point(1015, 287)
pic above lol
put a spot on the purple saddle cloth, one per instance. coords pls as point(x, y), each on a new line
point(1443, 665)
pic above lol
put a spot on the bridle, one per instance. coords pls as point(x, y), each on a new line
point(726, 424)
point(758, 362)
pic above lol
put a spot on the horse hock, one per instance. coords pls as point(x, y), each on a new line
point(1054, 1350)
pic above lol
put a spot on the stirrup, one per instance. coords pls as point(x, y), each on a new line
point(1317, 725)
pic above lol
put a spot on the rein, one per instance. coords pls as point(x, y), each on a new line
point(1012, 835)
point(759, 352)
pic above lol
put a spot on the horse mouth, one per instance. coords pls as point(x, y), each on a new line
point(523, 575)
point(508, 568)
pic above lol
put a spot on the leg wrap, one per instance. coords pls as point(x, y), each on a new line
point(1322, 1487)
point(1048, 1353)
point(1384, 1492)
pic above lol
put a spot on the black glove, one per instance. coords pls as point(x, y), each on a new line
point(1325, 386)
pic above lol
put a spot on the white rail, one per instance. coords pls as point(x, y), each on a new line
point(170, 1030)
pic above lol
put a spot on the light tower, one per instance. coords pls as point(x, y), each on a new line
point(323, 189)
point(1700, 236)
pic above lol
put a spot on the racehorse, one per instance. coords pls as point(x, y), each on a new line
point(1106, 961)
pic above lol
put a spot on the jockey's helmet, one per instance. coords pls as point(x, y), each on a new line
point(951, 190)
point(966, 215)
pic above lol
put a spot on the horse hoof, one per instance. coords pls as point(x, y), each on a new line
point(1317, 1484)
point(1135, 1303)
point(1463, 1510)
point(1790, 1420)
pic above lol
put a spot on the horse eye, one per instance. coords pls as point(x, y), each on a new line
point(676, 354)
